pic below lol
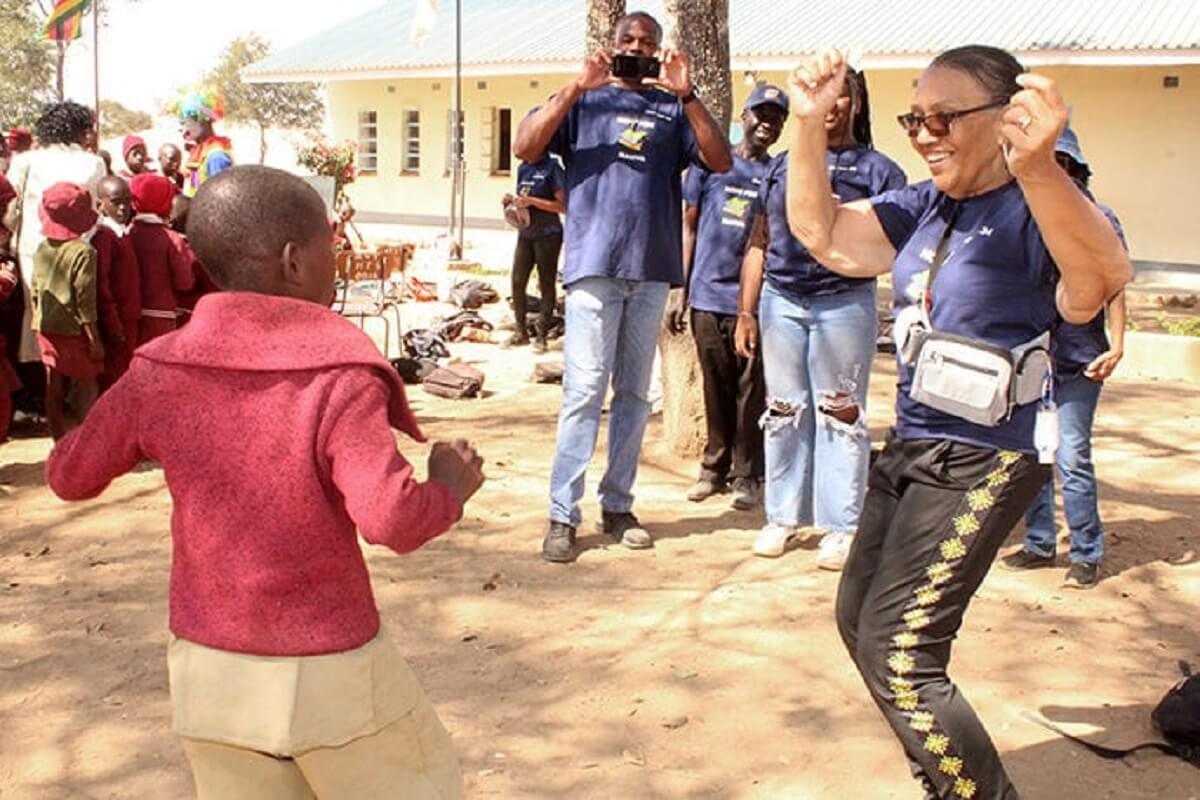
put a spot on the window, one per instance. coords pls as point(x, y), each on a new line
point(412, 142)
point(450, 137)
point(496, 151)
point(368, 141)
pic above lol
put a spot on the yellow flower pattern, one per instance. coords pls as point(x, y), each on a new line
point(951, 765)
point(937, 743)
point(905, 695)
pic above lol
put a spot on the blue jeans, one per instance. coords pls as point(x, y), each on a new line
point(816, 353)
point(612, 331)
point(1077, 397)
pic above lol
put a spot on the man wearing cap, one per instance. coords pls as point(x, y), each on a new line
point(717, 220)
point(133, 150)
point(1083, 359)
point(209, 153)
point(624, 142)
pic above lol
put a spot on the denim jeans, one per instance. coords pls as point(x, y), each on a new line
point(816, 353)
point(1077, 397)
point(612, 332)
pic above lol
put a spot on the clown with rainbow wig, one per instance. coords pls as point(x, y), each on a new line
point(208, 153)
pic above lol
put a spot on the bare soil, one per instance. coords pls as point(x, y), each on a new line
point(691, 670)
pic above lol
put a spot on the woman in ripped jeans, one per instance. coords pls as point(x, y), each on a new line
point(817, 332)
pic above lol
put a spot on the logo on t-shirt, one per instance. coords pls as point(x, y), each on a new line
point(633, 139)
point(736, 207)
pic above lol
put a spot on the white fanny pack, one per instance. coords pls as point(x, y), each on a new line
point(968, 378)
point(978, 381)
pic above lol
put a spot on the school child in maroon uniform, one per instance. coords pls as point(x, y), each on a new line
point(272, 417)
point(119, 291)
point(164, 258)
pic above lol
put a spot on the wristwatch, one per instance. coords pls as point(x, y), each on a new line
point(689, 97)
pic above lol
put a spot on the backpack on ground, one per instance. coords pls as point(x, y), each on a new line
point(473, 293)
point(423, 343)
point(456, 381)
point(1176, 717)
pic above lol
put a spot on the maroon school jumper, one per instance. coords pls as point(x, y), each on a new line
point(272, 419)
point(165, 262)
point(118, 298)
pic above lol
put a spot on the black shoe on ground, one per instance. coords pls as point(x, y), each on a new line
point(539, 345)
point(1082, 576)
point(1023, 559)
point(559, 544)
point(705, 488)
point(624, 527)
point(745, 494)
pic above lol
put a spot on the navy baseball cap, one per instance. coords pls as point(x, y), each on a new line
point(765, 93)
point(1068, 144)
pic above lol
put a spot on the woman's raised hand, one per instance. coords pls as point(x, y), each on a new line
point(815, 85)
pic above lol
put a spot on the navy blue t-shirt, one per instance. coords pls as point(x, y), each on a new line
point(1076, 346)
point(996, 284)
point(540, 180)
point(728, 203)
point(854, 173)
point(624, 151)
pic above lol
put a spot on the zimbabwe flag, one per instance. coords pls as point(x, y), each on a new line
point(66, 20)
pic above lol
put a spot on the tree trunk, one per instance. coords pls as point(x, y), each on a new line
point(700, 28)
point(262, 143)
point(602, 16)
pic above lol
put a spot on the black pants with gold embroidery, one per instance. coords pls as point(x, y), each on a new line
point(935, 514)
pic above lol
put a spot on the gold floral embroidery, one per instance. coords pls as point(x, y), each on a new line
point(953, 549)
point(965, 788)
point(928, 596)
point(937, 743)
point(966, 525)
point(901, 663)
point(906, 640)
point(951, 765)
point(922, 721)
point(916, 619)
point(980, 500)
point(939, 573)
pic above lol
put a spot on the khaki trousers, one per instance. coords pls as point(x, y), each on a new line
point(353, 725)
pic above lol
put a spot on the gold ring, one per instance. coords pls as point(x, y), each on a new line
point(1025, 123)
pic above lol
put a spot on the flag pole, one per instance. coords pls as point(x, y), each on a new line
point(96, 62)
point(459, 128)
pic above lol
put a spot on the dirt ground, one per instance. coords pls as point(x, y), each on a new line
point(692, 670)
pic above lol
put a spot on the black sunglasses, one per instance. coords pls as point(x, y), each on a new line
point(938, 123)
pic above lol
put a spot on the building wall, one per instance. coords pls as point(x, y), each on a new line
point(1139, 137)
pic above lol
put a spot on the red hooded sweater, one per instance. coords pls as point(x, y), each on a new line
point(272, 419)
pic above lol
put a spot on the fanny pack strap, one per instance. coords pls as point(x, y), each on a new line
point(939, 258)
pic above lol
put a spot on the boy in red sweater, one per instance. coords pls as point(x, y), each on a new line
point(272, 418)
point(118, 292)
point(164, 258)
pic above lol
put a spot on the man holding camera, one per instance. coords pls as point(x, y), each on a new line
point(625, 128)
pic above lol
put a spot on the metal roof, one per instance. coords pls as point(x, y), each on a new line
point(517, 35)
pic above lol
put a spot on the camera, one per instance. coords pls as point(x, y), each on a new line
point(635, 68)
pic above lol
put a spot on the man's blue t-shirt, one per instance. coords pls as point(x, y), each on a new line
point(854, 173)
point(624, 151)
point(540, 180)
point(728, 204)
point(996, 284)
point(1076, 346)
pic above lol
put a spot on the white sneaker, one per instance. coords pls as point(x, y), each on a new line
point(772, 540)
point(833, 550)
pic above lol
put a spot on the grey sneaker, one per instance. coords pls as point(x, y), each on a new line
point(624, 527)
point(705, 488)
point(1023, 559)
point(559, 544)
point(1082, 575)
point(745, 494)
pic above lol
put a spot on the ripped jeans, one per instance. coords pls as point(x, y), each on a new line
point(817, 354)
